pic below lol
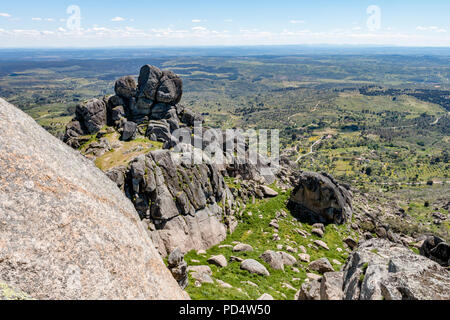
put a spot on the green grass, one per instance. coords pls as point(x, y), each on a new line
point(256, 232)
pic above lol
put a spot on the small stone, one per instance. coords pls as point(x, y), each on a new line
point(242, 248)
point(265, 296)
point(219, 261)
point(236, 259)
point(304, 257)
point(321, 265)
point(302, 249)
point(224, 284)
point(322, 244)
point(350, 242)
point(317, 232)
point(254, 266)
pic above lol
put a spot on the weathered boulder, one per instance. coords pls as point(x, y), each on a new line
point(178, 267)
point(331, 286)
point(129, 131)
point(242, 247)
point(309, 291)
point(170, 89)
point(67, 231)
point(273, 259)
point(319, 198)
point(321, 265)
point(90, 117)
point(125, 87)
point(379, 269)
point(219, 261)
point(437, 250)
point(148, 82)
point(254, 266)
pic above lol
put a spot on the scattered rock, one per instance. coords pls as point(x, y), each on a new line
point(350, 242)
point(254, 266)
point(317, 232)
point(321, 244)
point(321, 265)
point(242, 248)
point(304, 257)
point(273, 259)
point(265, 296)
point(268, 192)
point(219, 261)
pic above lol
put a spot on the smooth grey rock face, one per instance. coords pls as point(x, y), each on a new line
point(66, 230)
point(254, 266)
point(379, 269)
point(318, 198)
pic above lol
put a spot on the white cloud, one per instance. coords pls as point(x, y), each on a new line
point(199, 28)
point(297, 21)
point(5, 15)
point(36, 19)
point(431, 29)
point(196, 20)
point(228, 20)
point(117, 19)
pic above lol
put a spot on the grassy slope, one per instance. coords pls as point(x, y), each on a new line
point(257, 232)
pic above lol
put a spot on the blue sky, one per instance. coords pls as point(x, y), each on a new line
point(208, 22)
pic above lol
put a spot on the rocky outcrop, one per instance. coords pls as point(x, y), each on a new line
point(319, 198)
point(178, 267)
point(90, 117)
point(437, 250)
point(380, 269)
point(66, 230)
point(184, 206)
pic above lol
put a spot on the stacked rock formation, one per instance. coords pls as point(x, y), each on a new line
point(184, 205)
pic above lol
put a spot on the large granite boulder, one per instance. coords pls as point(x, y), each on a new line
point(149, 81)
point(382, 270)
point(170, 89)
point(90, 117)
point(126, 87)
point(318, 198)
point(437, 250)
point(66, 230)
